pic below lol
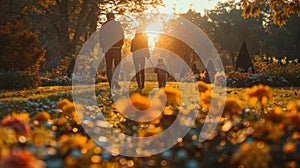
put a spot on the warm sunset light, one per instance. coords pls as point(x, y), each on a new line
point(152, 31)
point(149, 83)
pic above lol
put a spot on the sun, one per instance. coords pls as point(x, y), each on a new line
point(153, 31)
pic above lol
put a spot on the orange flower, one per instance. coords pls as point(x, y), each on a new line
point(256, 155)
point(232, 107)
point(42, 117)
point(21, 158)
point(294, 107)
point(7, 136)
point(258, 93)
point(16, 123)
point(202, 86)
point(40, 136)
point(139, 108)
point(269, 131)
point(140, 102)
point(149, 132)
point(173, 96)
point(68, 142)
point(289, 147)
point(68, 109)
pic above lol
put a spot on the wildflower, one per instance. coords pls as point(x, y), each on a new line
point(206, 97)
point(149, 131)
point(17, 122)
point(173, 96)
point(42, 117)
point(269, 131)
point(294, 107)
point(40, 136)
point(275, 115)
point(140, 102)
point(202, 86)
point(68, 109)
point(139, 108)
point(232, 107)
point(258, 93)
point(68, 142)
point(7, 136)
point(21, 158)
point(289, 147)
point(256, 155)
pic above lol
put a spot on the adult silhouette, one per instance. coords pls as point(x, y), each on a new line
point(140, 51)
point(111, 41)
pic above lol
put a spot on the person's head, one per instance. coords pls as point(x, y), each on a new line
point(160, 60)
point(110, 16)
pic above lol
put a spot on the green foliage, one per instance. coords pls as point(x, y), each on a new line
point(20, 48)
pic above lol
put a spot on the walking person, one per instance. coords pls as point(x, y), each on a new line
point(140, 51)
point(162, 73)
point(111, 41)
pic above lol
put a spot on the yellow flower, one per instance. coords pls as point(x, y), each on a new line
point(18, 122)
point(42, 116)
point(19, 157)
point(294, 107)
point(149, 131)
point(140, 102)
point(40, 136)
point(258, 93)
point(68, 109)
point(173, 96)
point(255, 155)
point(7, 136)
point(202, 86)
point(23, 116)
point(289, 147)
point(232, 107)
point(68, 142)
point(139, 108)
point(269, 131)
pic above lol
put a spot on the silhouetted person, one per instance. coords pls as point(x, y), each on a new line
point(111, 42)
point(140, 50)
point(162, 73)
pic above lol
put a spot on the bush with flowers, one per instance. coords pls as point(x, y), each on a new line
point(254, 137)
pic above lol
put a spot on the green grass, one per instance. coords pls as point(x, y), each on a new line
point(281, 96)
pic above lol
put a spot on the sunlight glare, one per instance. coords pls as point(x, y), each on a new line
point(152, 31)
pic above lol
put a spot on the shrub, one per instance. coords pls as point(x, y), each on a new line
point(20, 48)
point(18, 80)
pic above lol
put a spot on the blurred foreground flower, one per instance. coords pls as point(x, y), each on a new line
point(258, 93)
point(18, 122)
point(268, 131)
point(21, 158)
point(42, 117)
point(294, 107)
point(254, 155)
point(139, 108)
point(232, 107)
point(173, 96)
point(68, 109)
point(202, 86)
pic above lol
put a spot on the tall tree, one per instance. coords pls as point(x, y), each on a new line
point(280, 11)
point(64, 25)
point(244, 60)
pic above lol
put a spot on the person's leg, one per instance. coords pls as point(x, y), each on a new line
point(142, 72)
point(137, 70)
point(117, 60)
point(109, 59)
